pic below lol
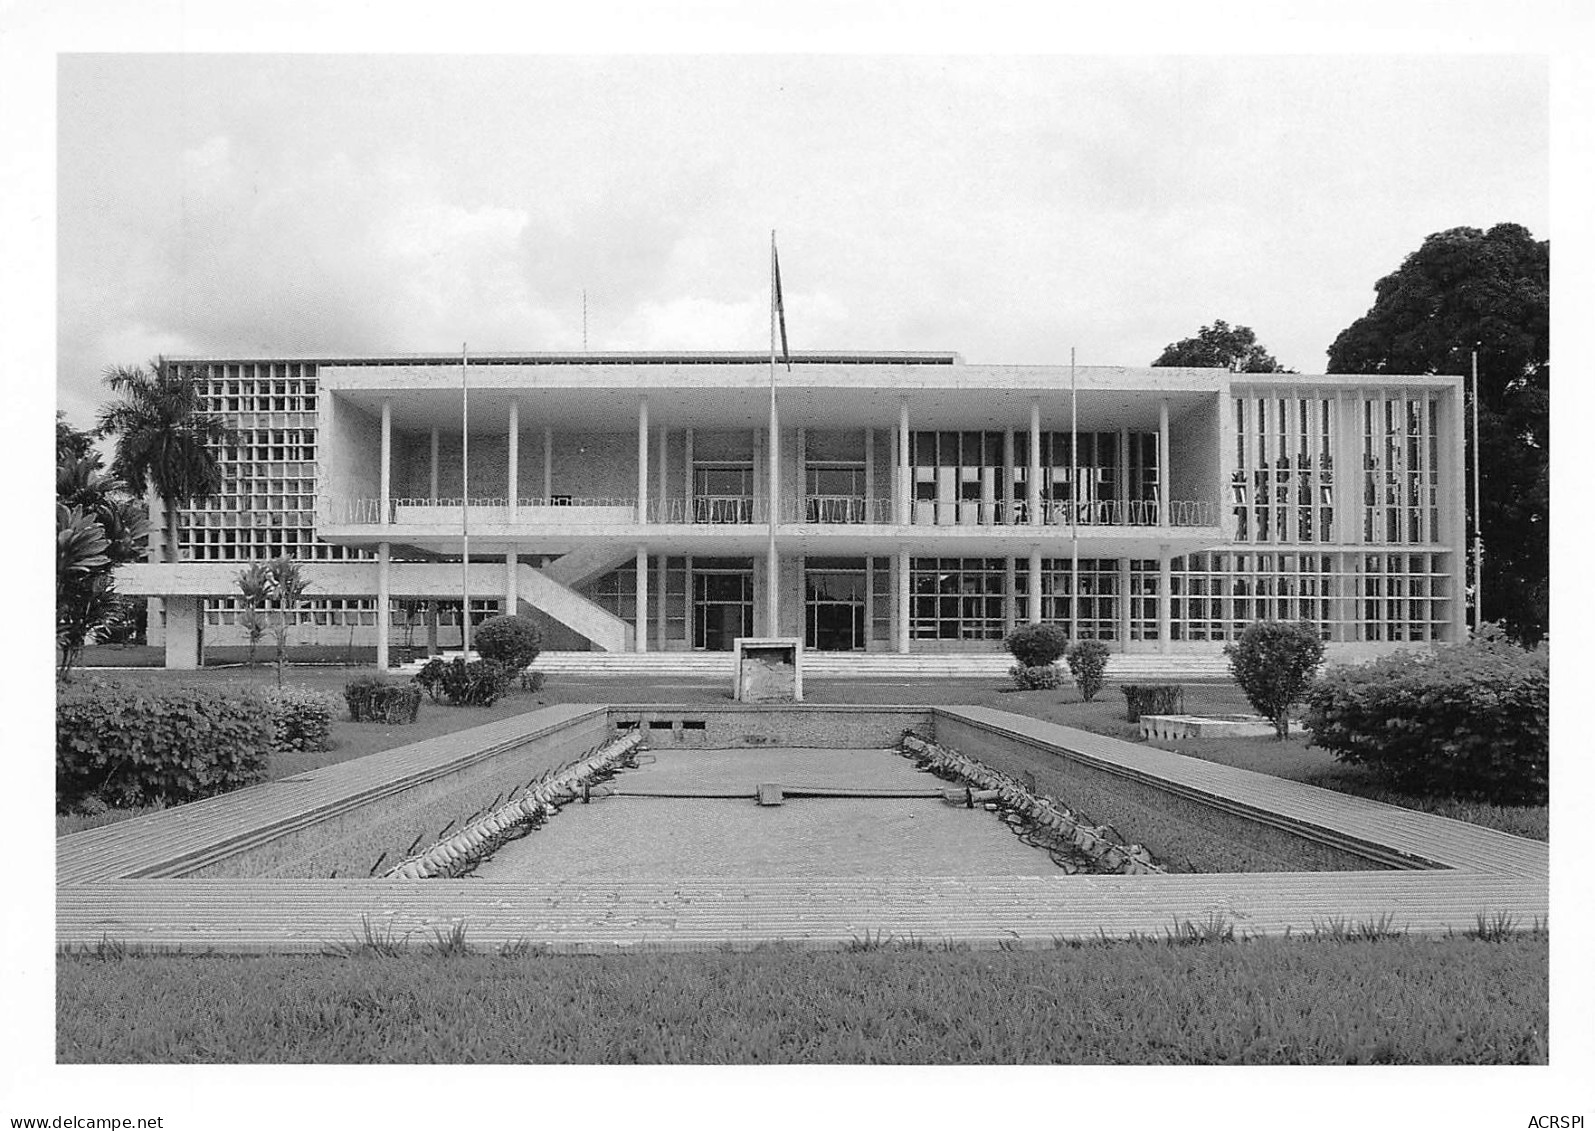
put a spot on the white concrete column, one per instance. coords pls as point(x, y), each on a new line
point(548, 462)
point(1164, 596)
point(1010, 572)
point(664, 480)
point(1035, 468)
point(1006, 485)
point(642, 598)
point(1163, 477)
point(434, 480)
point(1124, 604)
point(870, 514)
point(661, 600)
point(1124, 476)
point(386, 475)
point(513, 494)
point(800, 488)
point(1033, 612)
point(511, 582)
point(686, 487)
point(905, 485)
point(182, 632)
point(869, 596)
point(903, 610)
point(642, 466)
point(383, 600)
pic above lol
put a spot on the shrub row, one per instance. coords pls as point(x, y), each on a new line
point(1152, 699)
point(1468, 721)
point(131, 746)
point(475, 684)
point(1039, 677)
point(373, 699)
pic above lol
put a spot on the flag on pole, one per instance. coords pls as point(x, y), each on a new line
point(780, 307)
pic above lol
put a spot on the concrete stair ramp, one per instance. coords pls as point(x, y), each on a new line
point(563, 604)
point(586, 563)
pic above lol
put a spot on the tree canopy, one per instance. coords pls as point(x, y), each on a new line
point(163, 440)
point(1221, 346)
point(1464, 288)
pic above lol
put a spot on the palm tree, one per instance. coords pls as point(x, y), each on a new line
point(163, 440)
point(255, 583)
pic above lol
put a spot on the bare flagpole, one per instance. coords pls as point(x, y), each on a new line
point(1074, 505)
point(1478, 524)
point(772, 562)
point(465, 507)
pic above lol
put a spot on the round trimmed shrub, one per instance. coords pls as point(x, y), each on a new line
point(1471, 721)
point(512, 641)
point(1037, 645)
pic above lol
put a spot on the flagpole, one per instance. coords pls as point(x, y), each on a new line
point(1478, 525)
point(1074, 506)
point(465, 507)
point(772, 562)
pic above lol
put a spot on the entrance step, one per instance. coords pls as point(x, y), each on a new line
point(871, 665)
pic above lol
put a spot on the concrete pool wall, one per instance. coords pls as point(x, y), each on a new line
point(249, 871)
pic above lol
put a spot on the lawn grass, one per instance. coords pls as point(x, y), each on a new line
point(1290, 758)
point(1456, 1000)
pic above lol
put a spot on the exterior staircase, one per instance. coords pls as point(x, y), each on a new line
point(586, 563)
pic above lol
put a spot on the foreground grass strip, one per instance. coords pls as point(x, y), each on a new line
point(1377, 999)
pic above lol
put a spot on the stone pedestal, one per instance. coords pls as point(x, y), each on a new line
point(768, 670)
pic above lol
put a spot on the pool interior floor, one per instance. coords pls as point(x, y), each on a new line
point(636, 837)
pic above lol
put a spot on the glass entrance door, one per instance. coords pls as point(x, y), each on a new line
point(722, 608)
point(834, 605)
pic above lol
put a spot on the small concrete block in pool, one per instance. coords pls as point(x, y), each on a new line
point(1169, 727)
point(769, 670)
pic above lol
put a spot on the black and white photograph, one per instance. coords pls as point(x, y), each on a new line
point(689, 542)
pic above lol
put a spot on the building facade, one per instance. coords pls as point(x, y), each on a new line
point(871, 502)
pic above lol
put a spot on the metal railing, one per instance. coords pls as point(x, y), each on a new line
point(826, 510)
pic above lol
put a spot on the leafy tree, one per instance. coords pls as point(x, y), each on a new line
point(285, 588)
point(70, 442)
point(1221, 346)
point(1088, 663)
point(254, 584)
point(97, 529)
point(163, 440)
point(1466, 287)
point(1273, 662)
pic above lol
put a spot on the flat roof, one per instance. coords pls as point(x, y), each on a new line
point(666, 357)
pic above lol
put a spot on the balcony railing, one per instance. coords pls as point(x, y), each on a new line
point(708, 510)
point(826, 510)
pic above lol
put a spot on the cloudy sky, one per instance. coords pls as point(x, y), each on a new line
point(1007, 208)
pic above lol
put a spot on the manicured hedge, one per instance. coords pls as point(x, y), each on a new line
point(1040, 677)
point(1470, 721)
point(1152, 699)
point(129, 746)
point(373, 699)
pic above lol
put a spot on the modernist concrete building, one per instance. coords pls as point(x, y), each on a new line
point(903, 502)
